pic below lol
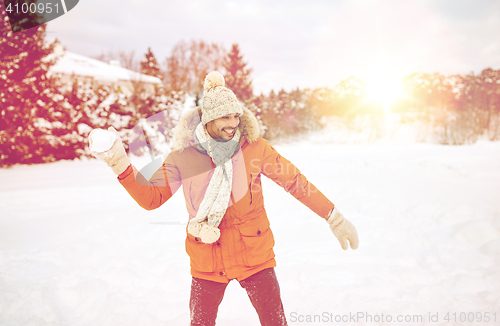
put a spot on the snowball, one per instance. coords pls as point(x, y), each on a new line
point(101, 140)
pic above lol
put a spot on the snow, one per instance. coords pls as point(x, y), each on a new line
point(101, 140)
point(72, 63)
point(75, 249)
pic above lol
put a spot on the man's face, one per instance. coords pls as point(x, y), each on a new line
point(223, 129)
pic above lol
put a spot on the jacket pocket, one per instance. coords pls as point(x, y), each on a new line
point(258, 240)
point(201, 254)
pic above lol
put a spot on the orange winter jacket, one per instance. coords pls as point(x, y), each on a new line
point(246, 243)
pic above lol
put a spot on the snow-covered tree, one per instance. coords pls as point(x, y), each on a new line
point(149, 66)
point(238, 75)
point(35, 125)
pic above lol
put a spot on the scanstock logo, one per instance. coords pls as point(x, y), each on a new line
point(26, 14)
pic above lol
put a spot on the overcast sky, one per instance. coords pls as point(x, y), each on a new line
point(304, 44)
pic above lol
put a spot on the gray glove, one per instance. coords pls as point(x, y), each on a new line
point(343, 230)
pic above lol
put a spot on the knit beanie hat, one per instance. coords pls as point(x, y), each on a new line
point(218, 101)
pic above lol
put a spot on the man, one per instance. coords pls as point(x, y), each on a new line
point(218, 158)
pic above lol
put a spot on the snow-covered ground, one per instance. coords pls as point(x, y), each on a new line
point(75, 249)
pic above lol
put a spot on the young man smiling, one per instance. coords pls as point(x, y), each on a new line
point(223, 129)
point(219, 158)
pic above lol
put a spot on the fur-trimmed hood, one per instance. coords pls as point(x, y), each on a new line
point(183, 132)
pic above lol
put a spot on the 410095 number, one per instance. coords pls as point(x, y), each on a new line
point(471, 317)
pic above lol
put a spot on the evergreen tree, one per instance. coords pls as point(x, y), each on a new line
point(238, 75)
point(35, 127)
point(150, 66)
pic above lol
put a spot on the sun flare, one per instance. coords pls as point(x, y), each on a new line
point(384, 88)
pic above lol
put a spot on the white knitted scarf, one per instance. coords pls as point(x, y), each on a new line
point(216, 200)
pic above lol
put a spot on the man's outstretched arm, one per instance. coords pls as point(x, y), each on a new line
point(153, 193)
point(148, 194)
point(285, 174)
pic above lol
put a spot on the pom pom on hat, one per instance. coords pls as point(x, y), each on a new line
point(213, 80)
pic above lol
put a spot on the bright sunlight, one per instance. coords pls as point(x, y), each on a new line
point(384, 88)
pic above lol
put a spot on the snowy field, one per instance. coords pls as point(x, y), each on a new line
point(75, 249)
